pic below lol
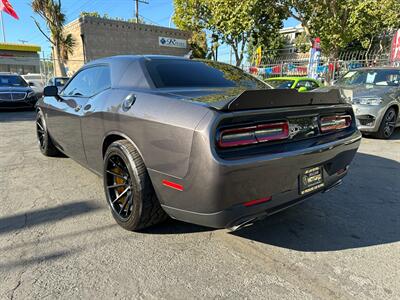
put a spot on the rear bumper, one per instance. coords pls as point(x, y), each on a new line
point(215, 190)
point(238, 215)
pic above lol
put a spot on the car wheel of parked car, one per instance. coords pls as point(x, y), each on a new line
point(388, 124)
point(129, 191)
point(46, 145)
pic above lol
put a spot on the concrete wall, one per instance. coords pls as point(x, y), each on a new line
point(98, 37)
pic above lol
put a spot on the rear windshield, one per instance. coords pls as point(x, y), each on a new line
point(177, 73)
point(12, 80)
point(281, 84)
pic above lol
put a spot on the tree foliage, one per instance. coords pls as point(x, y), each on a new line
point(50, 11)
point(340, 22)
point(302, 43)
point(234, 22)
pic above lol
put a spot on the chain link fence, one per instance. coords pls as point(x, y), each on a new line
point(327, 69)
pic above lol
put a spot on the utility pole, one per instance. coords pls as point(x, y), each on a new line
point(2, 26)
point(137, 8)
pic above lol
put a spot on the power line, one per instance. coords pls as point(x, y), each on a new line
point(137, 8)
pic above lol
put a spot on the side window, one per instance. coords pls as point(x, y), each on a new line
point(301, 83)
point(308, 84)
point(88, 82)
point(313, 85)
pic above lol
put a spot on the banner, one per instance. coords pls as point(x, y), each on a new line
point(315, 58)
point(395, 54)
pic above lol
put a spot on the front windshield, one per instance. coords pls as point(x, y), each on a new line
point(12, 80)
point(281, 84)
point(383, 77)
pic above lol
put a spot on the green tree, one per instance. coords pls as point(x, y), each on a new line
point(302, 43)
point(234, 22)
point(198, 44)
point(50, 11)
point(371, 20)
point(340, 22)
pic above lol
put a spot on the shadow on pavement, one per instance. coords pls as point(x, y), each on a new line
point(363, 212)
point(175, 227)
point(26, 262)
point(41, 216)
point(17, 115)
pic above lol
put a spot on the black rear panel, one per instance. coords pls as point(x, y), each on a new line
point(304, 130)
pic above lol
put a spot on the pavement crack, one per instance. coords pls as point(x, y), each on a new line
point(15, 288)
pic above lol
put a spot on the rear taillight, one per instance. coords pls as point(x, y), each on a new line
point(241, 136)
point(332, 123)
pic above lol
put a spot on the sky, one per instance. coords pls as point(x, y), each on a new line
point(156, 12)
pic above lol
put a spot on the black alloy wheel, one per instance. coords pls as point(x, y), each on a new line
point(129, 190)
point(41, 134)
point(119, 186)
point(388, 124)
point(45, 143)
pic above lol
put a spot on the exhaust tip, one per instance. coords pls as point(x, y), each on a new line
point(242, 224)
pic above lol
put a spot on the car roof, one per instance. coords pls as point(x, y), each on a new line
point(123, 75)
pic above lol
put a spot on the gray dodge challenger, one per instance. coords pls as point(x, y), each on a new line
point(199, 141)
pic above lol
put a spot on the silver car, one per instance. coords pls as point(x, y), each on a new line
point(375, 95)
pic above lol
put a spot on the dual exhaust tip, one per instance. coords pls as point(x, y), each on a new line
point(250, 221)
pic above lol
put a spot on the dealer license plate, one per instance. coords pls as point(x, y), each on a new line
point(311, 180)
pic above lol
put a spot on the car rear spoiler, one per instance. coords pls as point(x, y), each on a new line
point(277, 98)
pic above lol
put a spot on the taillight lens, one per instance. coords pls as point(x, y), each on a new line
point(241, 136)
point(332, 123)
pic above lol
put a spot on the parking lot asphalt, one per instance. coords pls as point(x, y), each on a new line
point(58, 239)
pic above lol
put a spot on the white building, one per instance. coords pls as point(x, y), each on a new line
point(290, 34)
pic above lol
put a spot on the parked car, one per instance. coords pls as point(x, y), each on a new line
point(36, 82)
point(15, 92)
point(200, 141)
point(375, 95)
point(302, 84)
point(59, 82)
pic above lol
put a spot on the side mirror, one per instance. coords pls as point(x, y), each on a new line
point(51, 91)
point(31, 83)
point(302, 89)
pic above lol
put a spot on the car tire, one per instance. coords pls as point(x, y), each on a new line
point(388, 124)
point(45, 143)
point(128, 188)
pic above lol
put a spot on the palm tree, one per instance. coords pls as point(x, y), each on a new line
point(50, 12)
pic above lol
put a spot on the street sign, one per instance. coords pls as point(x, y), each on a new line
point(171, 42)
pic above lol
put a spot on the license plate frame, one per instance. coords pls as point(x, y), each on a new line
point(311, 180)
